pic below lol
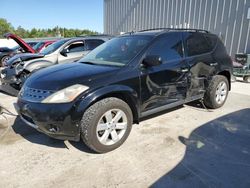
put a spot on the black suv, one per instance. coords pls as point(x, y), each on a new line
point(131, 76)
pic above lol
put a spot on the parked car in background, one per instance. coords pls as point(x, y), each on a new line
point(32, 43)
point(21, 66)
point(129, 77)
point(40, 46)
point(6, 53)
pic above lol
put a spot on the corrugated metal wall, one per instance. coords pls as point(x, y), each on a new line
point(227, 18)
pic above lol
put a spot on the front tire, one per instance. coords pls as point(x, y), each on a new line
point(3, 60)
point(106, 124)
point(217, 92)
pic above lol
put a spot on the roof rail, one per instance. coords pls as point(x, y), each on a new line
point(177, 29)
point(95, 35)
point(129, 32)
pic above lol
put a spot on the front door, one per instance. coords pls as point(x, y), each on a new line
point(165, 83)
point(73, 52)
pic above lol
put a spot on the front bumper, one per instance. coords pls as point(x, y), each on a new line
point(8, 81)
point(8, 76)
point(55, 120)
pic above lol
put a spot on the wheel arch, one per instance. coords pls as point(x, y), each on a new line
point(35, 65)
point(1, 59)
point(124, 93)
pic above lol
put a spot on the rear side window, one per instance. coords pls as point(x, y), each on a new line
point(92, 44)
point(211, 40)
point(196, 44)
point(169, 47)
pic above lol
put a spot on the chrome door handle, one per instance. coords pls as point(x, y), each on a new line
point(213, 64)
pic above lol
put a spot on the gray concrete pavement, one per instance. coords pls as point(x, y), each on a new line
point(184, 147)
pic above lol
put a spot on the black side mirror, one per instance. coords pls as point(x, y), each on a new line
point(64, 52)
point(152, 60)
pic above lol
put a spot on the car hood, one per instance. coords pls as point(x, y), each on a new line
point(5, 49)
point(21, 42)
point(61, 76)
point(23, 57)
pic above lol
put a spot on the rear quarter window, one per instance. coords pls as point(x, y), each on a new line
point(211, 40)
point(196, 44)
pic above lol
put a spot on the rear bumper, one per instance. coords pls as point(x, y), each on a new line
point(54, 120)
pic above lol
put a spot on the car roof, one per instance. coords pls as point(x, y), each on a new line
point(87, 38)
point(159, 31)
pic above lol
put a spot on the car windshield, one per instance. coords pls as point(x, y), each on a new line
point(53, 47)
point(16, 47)
point(38, 46)
point(118, 51)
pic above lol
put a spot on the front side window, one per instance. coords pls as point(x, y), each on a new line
point(53, 47)
point(118, 51)
point(168, 47)
point(196, 44)
point(76, 47)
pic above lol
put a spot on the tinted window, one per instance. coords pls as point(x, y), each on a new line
point(168, 47)
point(211, 40)
point(38, 46)
point(196, 44)
point(53, 47)
point(118, 51)
point(92, 44)
point(76, 47)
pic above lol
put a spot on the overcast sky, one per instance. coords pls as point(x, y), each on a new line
point(81, 14)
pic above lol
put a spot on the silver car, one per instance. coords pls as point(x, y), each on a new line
point(19, 67)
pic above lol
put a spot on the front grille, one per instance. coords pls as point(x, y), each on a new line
point(34, 95)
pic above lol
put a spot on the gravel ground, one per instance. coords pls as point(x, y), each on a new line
point(184, 147)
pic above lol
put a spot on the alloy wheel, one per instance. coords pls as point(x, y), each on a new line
point(111, 126)
point(221, 92)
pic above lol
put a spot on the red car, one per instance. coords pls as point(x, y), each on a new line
point(6, 53)
point(42, 45)
point(20, 42)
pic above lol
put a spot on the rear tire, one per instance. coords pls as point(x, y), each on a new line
point(246, 79)
point(106, 124)
point(217, 92)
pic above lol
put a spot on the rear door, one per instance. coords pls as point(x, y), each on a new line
point(198, 52)
point(165, 83)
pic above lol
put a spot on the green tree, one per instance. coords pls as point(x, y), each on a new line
point(33, 33)
point(21, 32)
point(5, 27)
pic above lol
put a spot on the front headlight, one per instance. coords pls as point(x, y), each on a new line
point(66, 95)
